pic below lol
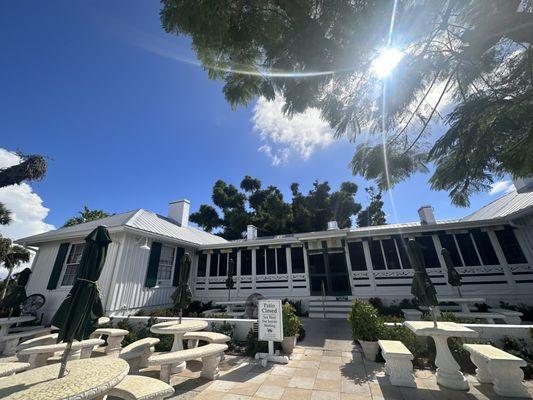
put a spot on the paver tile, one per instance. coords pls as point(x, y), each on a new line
point(232, 396)
point(328, 385)
point(329, 366)
point(332, 360)
point(314, 352)
point(285, 371)
point(296, 394)
point(221, 385)
point(247, 389)
point(308, 364)
point(211, 395)
point(323, 395)
point(327, 374)
point(306, 372)
point(277, 380)
point(270, 392)
point(301, 382)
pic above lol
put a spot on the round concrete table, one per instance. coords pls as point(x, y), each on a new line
point(5, 323)
point(448, 371)
point(90, 378)
point(178, 330)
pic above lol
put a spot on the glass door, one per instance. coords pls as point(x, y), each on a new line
point(328, 269)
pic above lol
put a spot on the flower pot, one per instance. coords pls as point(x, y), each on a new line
point(370, 349)
point(288, 344)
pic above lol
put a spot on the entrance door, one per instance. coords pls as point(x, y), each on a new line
point(329, 269)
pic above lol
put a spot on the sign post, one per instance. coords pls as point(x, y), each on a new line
point(270, 321)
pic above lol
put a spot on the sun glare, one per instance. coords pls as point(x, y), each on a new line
point(385, 63)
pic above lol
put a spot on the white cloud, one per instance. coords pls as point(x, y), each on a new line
point(501, 186)
point(283, 137)
point(27, 210)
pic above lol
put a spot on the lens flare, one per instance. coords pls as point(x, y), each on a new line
point(385, 63)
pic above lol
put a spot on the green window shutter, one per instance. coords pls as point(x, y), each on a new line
point(58, 266)
point(153, 265)
point(180, 251)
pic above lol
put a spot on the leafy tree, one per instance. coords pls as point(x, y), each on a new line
point(373, 214)
point(324, 55)
point(15, 256)
point(86, 215)
point(5, 215)
point(267, 209)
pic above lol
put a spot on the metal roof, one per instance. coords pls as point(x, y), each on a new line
point(140, 219)
point(513, 204)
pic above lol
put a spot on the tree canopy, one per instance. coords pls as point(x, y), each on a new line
point(86, 215)
point(373, 214)
point(474, 54)
point(267, 209)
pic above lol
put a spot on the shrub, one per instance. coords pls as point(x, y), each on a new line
point(519, 348)
point(525, 309)
point(253, 345)
point(393, 310)
point(226, 329)
point(366, 323)
point(291, 322)
point(298, 307)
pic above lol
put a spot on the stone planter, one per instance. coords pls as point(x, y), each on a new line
point(370, 349)
point(288, 344)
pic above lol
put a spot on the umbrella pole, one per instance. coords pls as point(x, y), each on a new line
point(181, 314)
point(459, 291)
point(434, 315)
point(64, 358)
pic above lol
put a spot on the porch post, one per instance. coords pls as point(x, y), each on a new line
point(501, 258)
point(349, 266)
point(369, 266)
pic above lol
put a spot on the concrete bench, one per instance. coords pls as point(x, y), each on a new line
point(499, 368)
point(11, 368)
point(411, 314)
point(398, 363)
point(488, 316)
point(38, 341)
point(114, 339)
point(138, 352)
point(136, 387)
point(12, 340)
point(210, 337)
point(210, 355)
point(511, 317)
point(39, 355)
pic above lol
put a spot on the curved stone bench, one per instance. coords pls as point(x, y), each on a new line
point(210, 355)
point(12, 340)
point(38, 341)
point(138, 352)
point(38, 355)
point(210, 337)
point(141, 388)
point(114, 339)
point(11, 368)
point(398, 365)
point(499, 368)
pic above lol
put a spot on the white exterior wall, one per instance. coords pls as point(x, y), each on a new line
point(42, 268)
point(129, 293)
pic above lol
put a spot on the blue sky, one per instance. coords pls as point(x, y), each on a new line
point(100, 89)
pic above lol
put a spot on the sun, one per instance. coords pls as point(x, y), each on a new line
point(385, 63)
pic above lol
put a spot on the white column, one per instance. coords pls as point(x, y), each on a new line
point(306, 270)
point(288, 257)
point(207, 272)
point(444, 269)
point(501, 258)
point(349, 266)
point(254, 257)
point(238, 273)
point(369, 267)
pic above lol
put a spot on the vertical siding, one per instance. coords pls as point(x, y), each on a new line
point(42, 268)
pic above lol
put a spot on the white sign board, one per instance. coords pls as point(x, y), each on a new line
point(270, 320)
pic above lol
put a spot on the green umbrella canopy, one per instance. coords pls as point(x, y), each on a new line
point(454, 278)
point(77, 317)
point(230, 282)
point(182, 296)
point(422, 288)
point(17, 295)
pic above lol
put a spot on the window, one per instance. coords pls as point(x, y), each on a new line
point(281, 255)
point(213, 265)
point(357, 256)
point(166, 264)
point(232, 263)
point(428, 249)
point(510, 246)
point(448, 242)
point(316, 264)
point(297, 260)
point(484, 246)
point(467, 249)
point(202, 265)
point(72, 264)
point(400, 244)
point(391, 255)
point(246, 262)
point(223, 264)
point(260, 261)
point(375, 253)
point(271, 261)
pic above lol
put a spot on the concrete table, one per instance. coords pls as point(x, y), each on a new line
point(178, 330)
point(90, 378)
point(448, 371)
point(462, 301)
point(6, 323)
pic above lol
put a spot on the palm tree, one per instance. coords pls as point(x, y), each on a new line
point(15, 256)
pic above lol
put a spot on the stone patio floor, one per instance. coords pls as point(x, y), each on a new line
point(320, 369)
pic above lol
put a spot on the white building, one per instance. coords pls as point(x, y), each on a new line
point(492, 249)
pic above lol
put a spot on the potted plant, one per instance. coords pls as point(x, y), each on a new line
point(291, 327)
point(367, 325)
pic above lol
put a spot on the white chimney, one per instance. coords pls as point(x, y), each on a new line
point(523, 185)
point(251, 232)
point(426, 215)
point(332, 225)
point(179, 211)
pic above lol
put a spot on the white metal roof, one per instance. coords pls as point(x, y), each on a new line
point(140, 219)
point(513, 204)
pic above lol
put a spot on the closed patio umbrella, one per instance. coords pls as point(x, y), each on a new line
point(77, 317)
point(182, 296)
point(454, 278)
point(17, 295)
point(422, 287)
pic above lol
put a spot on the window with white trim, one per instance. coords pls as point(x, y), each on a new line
point(166, 264)
point(70, 271)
